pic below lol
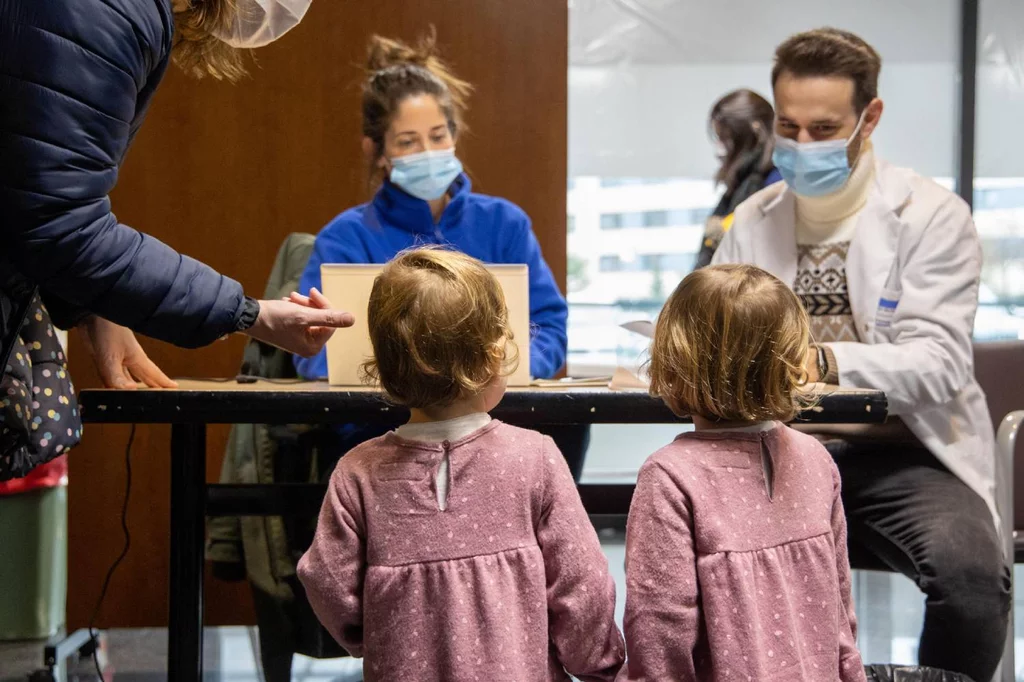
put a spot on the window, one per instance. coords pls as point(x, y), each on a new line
point(617, 221)
point(650, 261)
point(611, 221)
point(689, 216)
point(679, 217)
point(630, 182)
point(655, 218)
point(642, 78)
point(999, 173)
point(679, 263)
point(619, 182)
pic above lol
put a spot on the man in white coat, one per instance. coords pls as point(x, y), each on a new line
point(887, 264)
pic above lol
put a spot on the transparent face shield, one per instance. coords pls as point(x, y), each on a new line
point(260, 22)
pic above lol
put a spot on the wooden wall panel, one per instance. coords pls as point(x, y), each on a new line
point(223, 172)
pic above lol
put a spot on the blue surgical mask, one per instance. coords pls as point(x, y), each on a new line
point(426, 175)
point(814, 169)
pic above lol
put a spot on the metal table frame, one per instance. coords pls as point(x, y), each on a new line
point(196, 404)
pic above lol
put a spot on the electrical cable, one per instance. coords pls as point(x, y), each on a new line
point(120, 558)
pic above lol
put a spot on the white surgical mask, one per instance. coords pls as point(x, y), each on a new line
point(260, 22)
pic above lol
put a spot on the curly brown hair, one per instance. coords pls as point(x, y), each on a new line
point(196, 51)
point(730, 345)
point(439, 328)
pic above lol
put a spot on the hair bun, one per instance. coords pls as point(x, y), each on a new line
point(387, 52)
point(386, 58)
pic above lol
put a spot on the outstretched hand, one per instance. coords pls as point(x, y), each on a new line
point(119, 358)
point(299, 324)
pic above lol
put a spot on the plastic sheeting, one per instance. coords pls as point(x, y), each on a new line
point(608, 32)
point(644, 74)
point(1002, 41)
point(1000, 89)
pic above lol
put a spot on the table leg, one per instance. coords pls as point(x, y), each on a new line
point(188, 521)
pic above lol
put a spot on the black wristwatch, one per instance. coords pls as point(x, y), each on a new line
point(250, 312)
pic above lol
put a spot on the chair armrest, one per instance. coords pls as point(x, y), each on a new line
point(1006, 442)
point(1008, 430)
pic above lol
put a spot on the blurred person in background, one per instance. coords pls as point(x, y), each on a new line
point(741, 124)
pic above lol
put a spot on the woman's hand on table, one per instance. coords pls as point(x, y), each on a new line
point(299, 324)
point(119, 358)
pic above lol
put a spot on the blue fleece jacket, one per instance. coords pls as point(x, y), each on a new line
point(490, 229)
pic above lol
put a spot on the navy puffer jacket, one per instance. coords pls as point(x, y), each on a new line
point(76, 78)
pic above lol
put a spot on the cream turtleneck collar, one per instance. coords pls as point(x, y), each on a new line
point(823, 214)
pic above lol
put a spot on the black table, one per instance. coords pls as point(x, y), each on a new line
point(197, 403)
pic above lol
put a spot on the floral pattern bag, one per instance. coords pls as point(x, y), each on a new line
point(39, 417)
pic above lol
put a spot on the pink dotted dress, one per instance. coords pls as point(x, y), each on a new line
point(497, 575)
point(736, 563)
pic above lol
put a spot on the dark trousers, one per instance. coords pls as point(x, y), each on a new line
point(573, 440)
point(906, 512)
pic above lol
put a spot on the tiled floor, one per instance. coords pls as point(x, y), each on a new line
point(889, 607)
point(140, 656)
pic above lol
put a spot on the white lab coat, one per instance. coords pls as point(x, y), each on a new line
point(913, 271)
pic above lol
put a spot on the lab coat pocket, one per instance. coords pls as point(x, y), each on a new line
point(888, 303)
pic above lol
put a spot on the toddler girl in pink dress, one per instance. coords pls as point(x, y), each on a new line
point(736, 559)
point(456, 548)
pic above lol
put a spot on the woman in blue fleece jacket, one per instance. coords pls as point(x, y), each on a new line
point(412, 113)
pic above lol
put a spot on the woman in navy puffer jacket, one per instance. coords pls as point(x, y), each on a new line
point(76, 78)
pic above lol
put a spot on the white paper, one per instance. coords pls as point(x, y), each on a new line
point(625, 380)
point(573, 382)
point(641, 327)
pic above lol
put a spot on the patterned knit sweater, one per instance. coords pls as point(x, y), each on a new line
point(824, 228)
